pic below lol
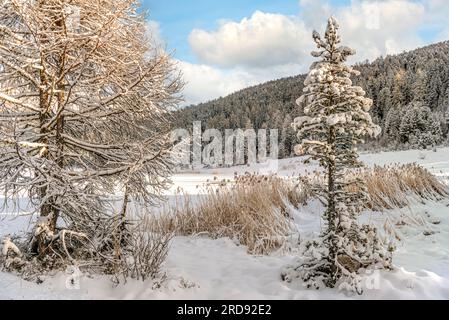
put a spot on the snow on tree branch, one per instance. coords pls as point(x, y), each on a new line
point(336, 118)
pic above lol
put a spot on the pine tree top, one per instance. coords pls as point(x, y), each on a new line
point(329, 48)
point(330, 101)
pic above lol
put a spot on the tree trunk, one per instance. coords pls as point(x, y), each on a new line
point(124, 210)
point(46, 209)
point(331, 207)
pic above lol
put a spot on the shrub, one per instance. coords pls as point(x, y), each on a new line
point(121, 249)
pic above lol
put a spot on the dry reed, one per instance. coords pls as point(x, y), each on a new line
point(254, 210)
point(393, 186)
point(257, 210)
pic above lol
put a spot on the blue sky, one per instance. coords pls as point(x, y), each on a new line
point(224, 46)
point(177, 18)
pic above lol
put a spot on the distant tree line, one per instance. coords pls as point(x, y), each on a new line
point(410, 93)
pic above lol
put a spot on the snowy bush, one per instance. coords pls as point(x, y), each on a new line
point(149, 249)
point(112, 249)
point(315, 271)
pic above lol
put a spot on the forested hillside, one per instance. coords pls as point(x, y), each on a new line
point(410, 93)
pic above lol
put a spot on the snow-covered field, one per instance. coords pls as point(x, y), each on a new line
point(201, 268)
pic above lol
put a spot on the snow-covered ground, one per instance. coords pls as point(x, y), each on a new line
point(201, 268)
point(435, 162)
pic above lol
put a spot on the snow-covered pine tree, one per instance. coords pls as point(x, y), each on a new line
point(420, 128)
point(392, 125)
point(445, 117)
point(336, 118)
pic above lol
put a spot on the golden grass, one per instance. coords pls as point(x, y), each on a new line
point(254, 211)
point(393, 186)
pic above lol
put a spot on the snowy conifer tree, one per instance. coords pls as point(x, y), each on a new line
point(336, 119)
point(392, 125)
point(420, 128)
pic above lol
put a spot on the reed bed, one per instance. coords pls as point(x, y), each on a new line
point(257, 211)
point(253, 210)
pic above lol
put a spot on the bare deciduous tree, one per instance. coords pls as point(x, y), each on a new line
point(85, 99)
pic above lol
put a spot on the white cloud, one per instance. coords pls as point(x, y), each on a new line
point(261, 40)
point(266, 46)
point(381, 27)
point(153, 30)
point(315, 13)
point(374, 28)
point(438, 9)
point(436, 17)
point(205, 82)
